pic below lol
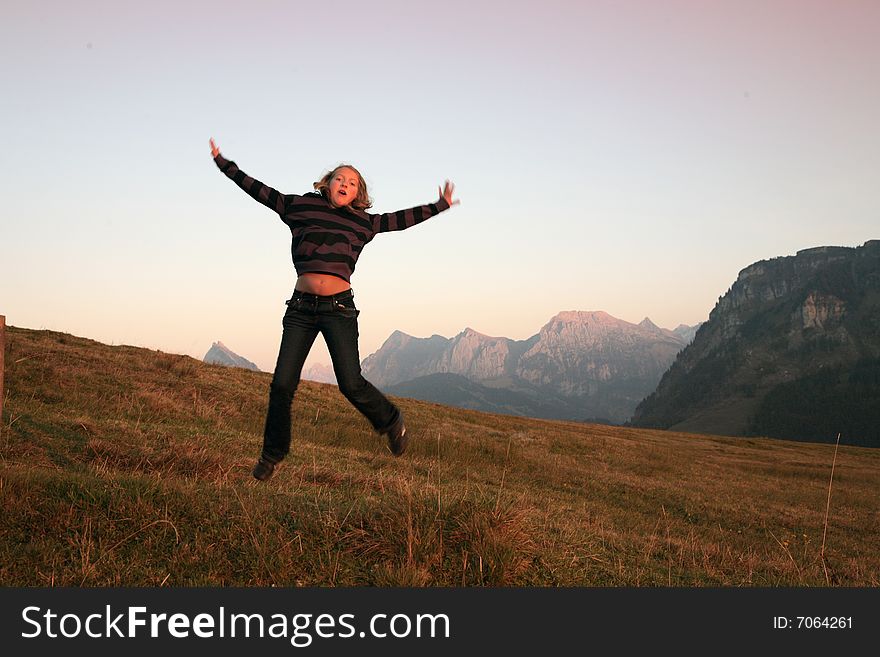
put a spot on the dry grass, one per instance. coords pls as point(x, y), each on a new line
point(124, 466)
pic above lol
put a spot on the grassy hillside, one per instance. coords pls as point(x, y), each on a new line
point(125, 466)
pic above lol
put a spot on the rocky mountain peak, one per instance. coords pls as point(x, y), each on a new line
point(220, 354)
point(784, 351)
point(470, 333)
point(398, 338)
point(321, 373)
point(583, 317)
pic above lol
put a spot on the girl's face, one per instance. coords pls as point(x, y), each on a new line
point(343, 187)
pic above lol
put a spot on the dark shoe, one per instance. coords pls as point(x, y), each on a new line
point(263, 470)
point(397, 437)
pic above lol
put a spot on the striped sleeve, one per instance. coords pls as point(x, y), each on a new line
point(269, 197)
point(403, 219)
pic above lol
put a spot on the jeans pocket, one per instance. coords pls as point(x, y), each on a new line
point(294, 309)
point(346, 310)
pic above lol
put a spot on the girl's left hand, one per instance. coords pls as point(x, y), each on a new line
point(446, 194)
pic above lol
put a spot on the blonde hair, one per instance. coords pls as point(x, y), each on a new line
point(361, 202)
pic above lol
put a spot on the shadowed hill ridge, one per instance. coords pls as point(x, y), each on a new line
point(123, 466)
point(792, 350)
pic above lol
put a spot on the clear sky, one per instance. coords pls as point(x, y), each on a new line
point(623, 156)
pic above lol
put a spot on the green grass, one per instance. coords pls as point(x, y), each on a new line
point(122, 466)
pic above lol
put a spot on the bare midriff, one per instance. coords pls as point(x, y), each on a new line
point(321, 284)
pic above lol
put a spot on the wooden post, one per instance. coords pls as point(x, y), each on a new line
point(2, 353)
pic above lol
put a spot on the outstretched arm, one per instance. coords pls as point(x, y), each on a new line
point(403, 219)
point(266, 195)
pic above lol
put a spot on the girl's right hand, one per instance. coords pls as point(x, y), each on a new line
point(214, 150)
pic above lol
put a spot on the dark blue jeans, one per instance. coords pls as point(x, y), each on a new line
point(335, 317)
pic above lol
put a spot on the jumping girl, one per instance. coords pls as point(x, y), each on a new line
point(330, 227)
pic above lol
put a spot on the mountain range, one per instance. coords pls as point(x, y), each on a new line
point(319, 372)
point(579, 366)
point(792, 350)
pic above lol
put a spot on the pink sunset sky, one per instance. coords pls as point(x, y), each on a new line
point(630, 157)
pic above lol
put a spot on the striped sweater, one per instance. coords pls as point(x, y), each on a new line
point(326, 240)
